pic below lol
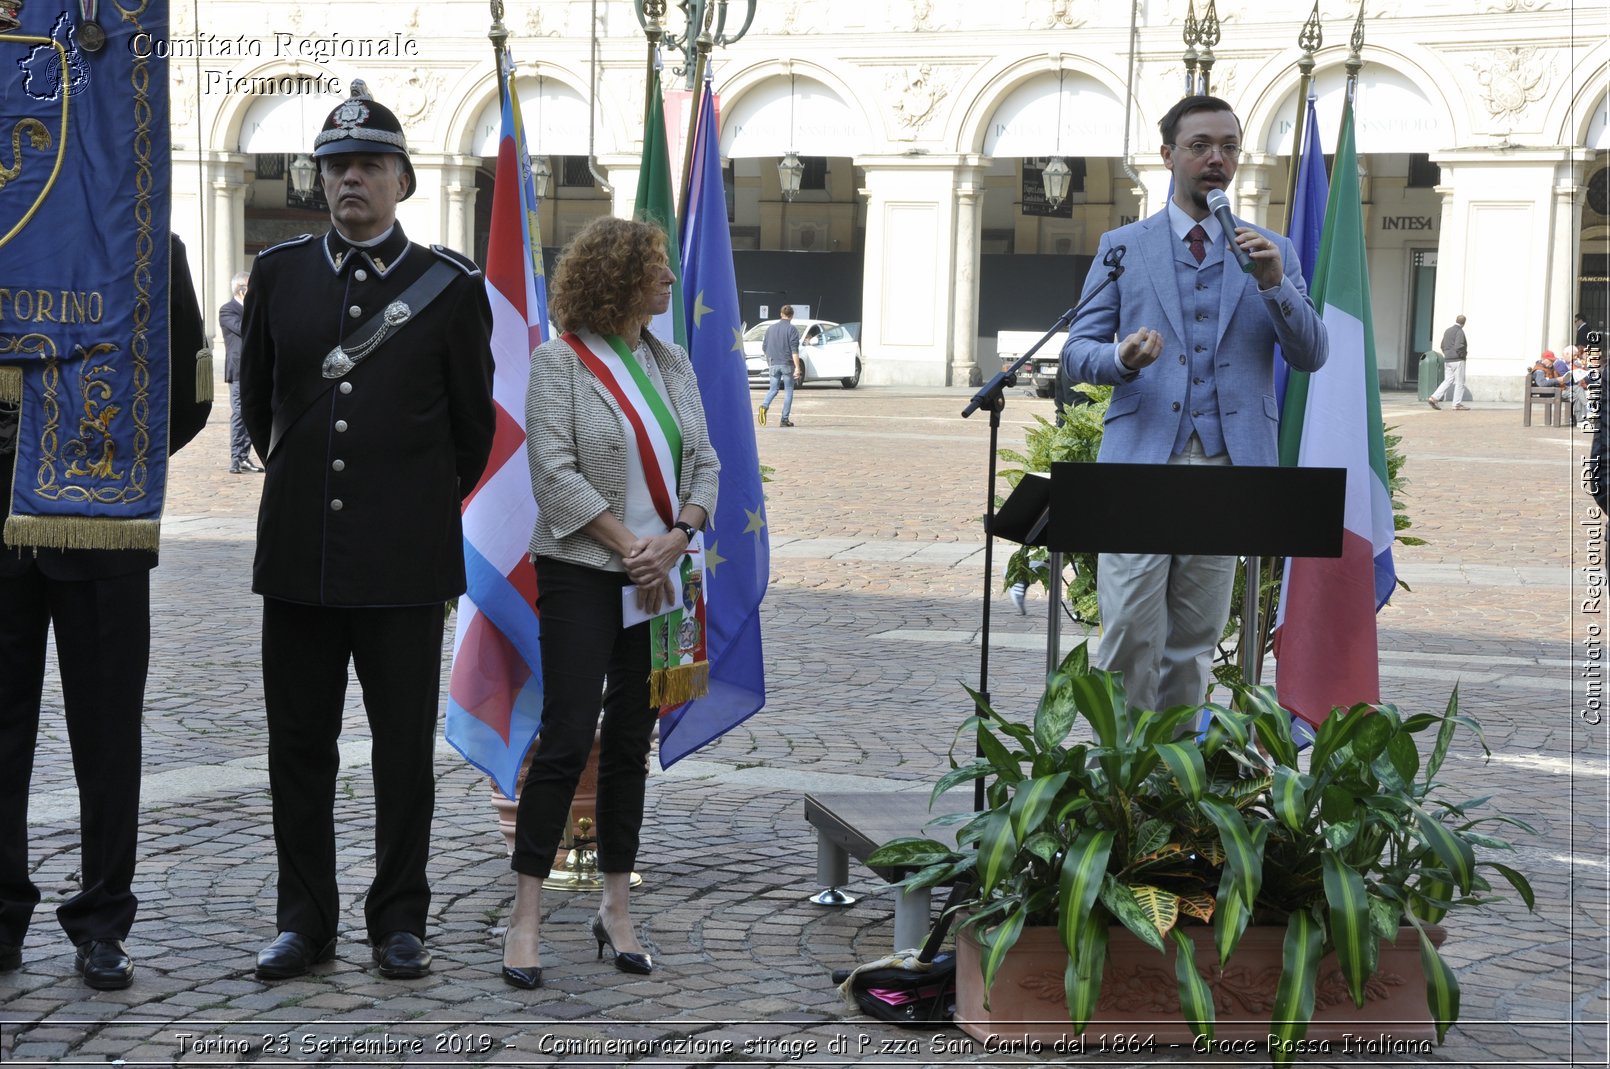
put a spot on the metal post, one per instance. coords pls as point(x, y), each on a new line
point(1209, 36)
point(1191, 35)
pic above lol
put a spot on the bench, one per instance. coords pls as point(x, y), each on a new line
point(1548, 396)
point(854, 825)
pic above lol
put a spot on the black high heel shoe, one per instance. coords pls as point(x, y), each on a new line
point(525, 977)
point(632, 963)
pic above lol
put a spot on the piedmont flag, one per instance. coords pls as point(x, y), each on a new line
point(1307, 218)
point(494, 694)
point(656, 204)
point(1325, 638)
point(738, 549)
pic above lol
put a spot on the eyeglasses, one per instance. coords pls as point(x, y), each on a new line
point(1199, 149)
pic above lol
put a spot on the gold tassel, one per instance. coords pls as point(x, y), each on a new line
point(204, 394)
point(82, 532)
point(11, 384)
point(678, 684)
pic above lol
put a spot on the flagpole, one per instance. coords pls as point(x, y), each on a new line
point(1311, 38)
point(701, 62)
point(499, 36)
point(655, 32)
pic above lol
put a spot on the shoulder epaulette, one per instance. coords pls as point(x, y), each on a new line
point(457, 259)
point(300, 239)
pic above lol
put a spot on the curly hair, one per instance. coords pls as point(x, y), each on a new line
point(599, 281)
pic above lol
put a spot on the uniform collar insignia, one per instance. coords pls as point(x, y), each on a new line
point(382, 258)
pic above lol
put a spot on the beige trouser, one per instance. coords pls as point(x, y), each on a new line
point(1161, 616)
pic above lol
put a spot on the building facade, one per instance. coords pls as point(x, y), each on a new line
point(924, 127)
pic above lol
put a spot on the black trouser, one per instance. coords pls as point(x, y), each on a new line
point(585, 651)
point(103, 645)
point(240, 446)
point(397, 653)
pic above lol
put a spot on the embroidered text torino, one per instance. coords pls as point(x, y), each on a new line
point(51, 306)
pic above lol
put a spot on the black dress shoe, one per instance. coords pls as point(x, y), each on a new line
point(10, 958)
point(291, 954)
point(525, 977)
point(234, 469)
point(251, 465)
point(641, 964)
point(402, 956)
point(104, 964)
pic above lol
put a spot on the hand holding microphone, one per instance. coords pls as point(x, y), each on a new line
point(1264, 257)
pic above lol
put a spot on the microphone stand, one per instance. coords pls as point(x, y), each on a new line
point(992, 395)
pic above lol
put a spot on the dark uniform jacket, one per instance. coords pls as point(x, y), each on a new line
point(361, 501)
point(187, 414)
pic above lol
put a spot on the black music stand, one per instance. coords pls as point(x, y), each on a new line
point(1215, 509)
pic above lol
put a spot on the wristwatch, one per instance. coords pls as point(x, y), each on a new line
point(686, 528)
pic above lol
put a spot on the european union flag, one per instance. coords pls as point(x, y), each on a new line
point(738, 555)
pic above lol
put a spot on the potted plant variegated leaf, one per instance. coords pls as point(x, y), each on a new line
point(1153, 868)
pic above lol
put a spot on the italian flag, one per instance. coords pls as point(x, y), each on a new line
point(1325, 638)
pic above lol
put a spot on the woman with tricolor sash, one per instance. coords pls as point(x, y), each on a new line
point(625, 478)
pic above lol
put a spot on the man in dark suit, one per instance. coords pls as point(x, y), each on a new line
point(99, 603)
point(240, 444)
point(375, 424)
point(1187, 341)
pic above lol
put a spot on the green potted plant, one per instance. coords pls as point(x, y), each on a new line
point(1340, 860)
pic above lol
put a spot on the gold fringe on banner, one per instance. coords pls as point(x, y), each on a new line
point(682, 683)
point(203, 376)
point(82, 532)
point(11, 384)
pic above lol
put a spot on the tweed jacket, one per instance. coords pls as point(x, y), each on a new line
point(1144, 417)
point(576, 448)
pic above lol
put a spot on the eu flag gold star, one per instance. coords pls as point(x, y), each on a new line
point(699, 308)
point(756, 521)
point(737, 340)
point(712, 558)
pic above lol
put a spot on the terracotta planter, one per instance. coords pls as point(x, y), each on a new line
point(1140, 1000)
point(583, 805)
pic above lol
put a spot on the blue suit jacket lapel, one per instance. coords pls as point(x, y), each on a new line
point(1157, 242)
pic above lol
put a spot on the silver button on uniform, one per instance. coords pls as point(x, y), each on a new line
point(346, 387)
point(360, 275)
point(340, 425)
point(336, 506)
point(354, 311)
point(338, 465)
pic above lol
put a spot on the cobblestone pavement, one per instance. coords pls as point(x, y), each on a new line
point(872, 625)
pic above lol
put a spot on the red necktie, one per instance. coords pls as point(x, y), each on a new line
point(1198, 239)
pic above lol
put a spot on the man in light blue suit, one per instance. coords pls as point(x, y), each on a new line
point(1187, 341)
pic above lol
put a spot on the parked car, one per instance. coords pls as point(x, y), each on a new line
point(828, 350)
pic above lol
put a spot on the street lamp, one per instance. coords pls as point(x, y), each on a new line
point(541, 176)
point(303, 171)
point(1056, 178)
point(789, 172)
point(710, 16)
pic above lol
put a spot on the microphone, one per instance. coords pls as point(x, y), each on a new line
point(1219, 205)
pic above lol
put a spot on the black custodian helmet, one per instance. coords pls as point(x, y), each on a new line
point(359, 124)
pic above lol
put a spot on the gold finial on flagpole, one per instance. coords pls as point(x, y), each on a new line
point(1355, 53)
point(1310, 39)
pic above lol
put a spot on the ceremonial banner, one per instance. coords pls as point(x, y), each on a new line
point(1325, 635)
point(84, 183)
point(494, 693)
point(737, 547)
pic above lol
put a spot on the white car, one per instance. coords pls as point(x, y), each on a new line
point(828, 350)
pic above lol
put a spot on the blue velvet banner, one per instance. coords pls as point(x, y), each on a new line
point(84, 186)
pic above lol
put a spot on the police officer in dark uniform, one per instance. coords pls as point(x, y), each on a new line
point(366, 384)
point(99, 603)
